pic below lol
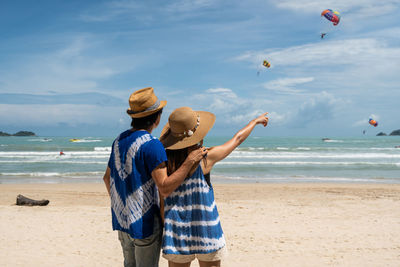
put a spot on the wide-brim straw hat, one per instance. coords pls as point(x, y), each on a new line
point(143, 103)
point(186, 127)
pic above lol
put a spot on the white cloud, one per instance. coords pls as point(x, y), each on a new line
point(287, 85)
point(386, 33)
point(321, 107)
point(352, 51)
point(276, 118)
point(374, 117)
point(364, 121)
point(50, 115)
point(228, 106)
point(222, 92)
point(349, 71)
point(357, 7)
point(243, 118)
point(220, 100)
point(75, 67)
point(349, 66)
point(361, 122)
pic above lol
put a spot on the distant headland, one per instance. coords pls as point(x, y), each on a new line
point(395, 132)
point(20, 133)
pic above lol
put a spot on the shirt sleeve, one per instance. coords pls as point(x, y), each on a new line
point(155, 154)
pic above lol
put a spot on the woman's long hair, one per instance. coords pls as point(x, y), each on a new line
point(175, 159)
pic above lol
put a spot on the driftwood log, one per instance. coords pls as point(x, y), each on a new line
point(24, 201)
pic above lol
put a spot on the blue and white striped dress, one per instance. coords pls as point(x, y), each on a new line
point(192, 224)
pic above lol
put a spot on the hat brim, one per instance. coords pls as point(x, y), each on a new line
point(148, 112)
point(207, 120)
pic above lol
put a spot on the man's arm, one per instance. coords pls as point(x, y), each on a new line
point(167, 184)
point(106, 179)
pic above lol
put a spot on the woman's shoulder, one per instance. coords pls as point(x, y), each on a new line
point(201, 169)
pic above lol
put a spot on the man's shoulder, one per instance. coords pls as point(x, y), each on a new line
point(142, 139)
point(123, 135)
point(153, 142)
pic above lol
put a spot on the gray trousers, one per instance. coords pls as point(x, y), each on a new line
point(142, 252)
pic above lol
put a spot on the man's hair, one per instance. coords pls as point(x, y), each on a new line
point(145, 122)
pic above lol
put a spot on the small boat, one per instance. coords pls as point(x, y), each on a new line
point(74, 140)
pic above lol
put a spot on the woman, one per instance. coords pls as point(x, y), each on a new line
point(192, 228)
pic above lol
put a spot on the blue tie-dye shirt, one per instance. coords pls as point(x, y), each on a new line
point(134, 194)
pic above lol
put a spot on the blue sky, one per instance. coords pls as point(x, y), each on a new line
point(68, 67)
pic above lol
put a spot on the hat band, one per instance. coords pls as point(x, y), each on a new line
point(152, 107)
point(188, 132)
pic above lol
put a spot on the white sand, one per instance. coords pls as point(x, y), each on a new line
point(264, 224)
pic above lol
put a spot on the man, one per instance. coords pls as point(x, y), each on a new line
point(136, 169)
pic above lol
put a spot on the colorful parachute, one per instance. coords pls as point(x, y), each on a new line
point(373, 122)
point(266, 64)
point(331, 15)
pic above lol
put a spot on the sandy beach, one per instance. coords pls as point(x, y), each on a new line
point(264, 224)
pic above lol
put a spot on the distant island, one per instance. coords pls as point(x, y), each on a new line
point(395, 132)
point(20, 133)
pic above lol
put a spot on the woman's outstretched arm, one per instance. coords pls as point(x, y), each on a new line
point(218, 153)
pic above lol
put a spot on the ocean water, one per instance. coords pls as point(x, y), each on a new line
point(258, 159)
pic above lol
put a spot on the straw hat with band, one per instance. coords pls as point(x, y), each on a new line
point(186, 128)
point(143, 103)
